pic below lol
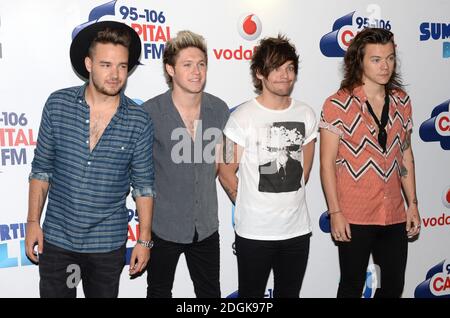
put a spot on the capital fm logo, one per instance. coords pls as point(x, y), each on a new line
point(267, 294)
point(17, 139)
point(436, 283)
point(430, 31)
point(12, 245)
point(133, 233)
point(249, 27)
point(148, 22)
point(345, 28)
point(437, 128)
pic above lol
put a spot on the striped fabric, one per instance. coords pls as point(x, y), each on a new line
point(368, 180)
point(86, 209)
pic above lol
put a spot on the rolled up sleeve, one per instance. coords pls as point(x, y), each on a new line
point(330, 118)
point(44, 154)
point(142, 169)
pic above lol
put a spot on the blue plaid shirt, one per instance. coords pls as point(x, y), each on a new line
point(86, 209)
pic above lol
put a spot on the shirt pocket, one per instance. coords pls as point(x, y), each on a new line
point(117, 154)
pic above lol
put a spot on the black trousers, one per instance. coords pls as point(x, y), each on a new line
point(60, 271)
point(203, 262)
point(389, 248)
point(256, 258)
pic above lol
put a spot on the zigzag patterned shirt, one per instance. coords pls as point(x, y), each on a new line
point(368, 180)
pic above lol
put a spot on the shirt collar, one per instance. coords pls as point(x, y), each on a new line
point(360, 95)
point(205, 103)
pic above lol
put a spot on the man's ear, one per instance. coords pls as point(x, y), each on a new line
point(88, 63)
point(259, 76)
point(170, 70)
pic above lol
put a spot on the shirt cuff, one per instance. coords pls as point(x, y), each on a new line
point(143, 192)
point(43, 176)
point(331, 128)
point(410, 126)
point(310, 138)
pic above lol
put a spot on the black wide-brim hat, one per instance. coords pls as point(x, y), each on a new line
point(82, 41)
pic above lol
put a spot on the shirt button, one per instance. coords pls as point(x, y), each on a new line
point(89, 163)
point(87, 141)
point(87, 121)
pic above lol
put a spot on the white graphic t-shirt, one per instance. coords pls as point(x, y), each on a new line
point(270, 203)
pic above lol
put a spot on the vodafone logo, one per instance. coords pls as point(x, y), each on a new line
point(249, 26)
point(446, 197)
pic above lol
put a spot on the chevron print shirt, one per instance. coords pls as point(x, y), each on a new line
point(368, 180)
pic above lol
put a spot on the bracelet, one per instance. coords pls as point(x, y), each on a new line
point(32, 221)
point(334, 212)
point(147, 244)
point(414, 201)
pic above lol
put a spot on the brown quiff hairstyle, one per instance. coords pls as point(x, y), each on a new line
point(183, 40)
point(113, 36)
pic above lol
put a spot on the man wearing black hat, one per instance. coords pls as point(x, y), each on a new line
point(93, 143)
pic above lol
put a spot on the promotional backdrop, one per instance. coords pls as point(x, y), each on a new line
point(35, 37)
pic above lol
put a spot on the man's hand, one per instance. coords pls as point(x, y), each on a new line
point(340, 229)
point(33, 236)
point(139, 259)
point(412, 221)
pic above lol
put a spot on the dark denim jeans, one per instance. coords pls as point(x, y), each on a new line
point(60, 271)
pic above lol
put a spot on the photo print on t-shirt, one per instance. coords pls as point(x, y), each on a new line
point(279, 155)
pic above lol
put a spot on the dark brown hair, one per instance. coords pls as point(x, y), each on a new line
point(270, 54)
point(353, 60)
point(113, 36)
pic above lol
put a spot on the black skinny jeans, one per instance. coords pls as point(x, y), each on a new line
point(256, 258)
point(389, 248)
point(203, 262)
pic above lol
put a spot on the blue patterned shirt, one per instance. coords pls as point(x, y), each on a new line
point(86, 209)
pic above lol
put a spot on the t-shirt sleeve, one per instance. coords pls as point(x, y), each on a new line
point(311, 126)
point(234, 131)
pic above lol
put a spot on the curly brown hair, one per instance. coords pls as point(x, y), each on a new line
point(353, 60)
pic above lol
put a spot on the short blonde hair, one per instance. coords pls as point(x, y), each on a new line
point(183, 40)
